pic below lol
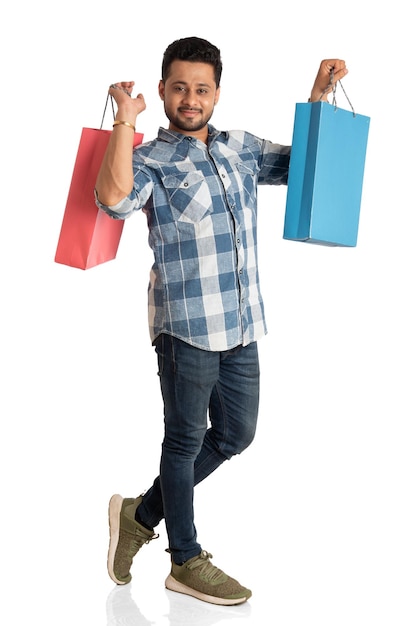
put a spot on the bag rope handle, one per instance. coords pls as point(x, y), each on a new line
point(104, 112)
point(111, 100)
point(333, 85)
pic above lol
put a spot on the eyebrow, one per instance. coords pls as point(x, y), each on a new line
point(183, 82)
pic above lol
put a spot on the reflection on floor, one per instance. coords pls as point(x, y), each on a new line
point(122, 610)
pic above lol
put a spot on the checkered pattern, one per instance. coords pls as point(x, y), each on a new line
point(201, 206)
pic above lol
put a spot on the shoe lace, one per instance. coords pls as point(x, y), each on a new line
point(138, 541)
point(210, 572)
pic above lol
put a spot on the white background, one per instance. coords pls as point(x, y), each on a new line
point(319, 516)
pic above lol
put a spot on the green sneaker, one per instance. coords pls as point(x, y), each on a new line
point(126, 537)
point(197, 577)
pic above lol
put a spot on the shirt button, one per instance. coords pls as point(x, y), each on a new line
point(238, 240)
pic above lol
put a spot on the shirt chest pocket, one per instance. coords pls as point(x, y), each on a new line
point(247, 178)
point(189, 196)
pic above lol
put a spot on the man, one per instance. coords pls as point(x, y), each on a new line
point(198, 189)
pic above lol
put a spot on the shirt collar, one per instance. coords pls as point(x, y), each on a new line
point(170, 136)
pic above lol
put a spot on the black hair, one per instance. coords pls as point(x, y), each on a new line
point(193, 49)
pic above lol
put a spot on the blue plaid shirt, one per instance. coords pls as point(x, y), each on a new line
point(201, 206)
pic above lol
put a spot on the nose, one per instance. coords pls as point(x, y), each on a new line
point(189, 98)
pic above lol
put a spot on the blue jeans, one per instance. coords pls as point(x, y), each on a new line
point(196, 384)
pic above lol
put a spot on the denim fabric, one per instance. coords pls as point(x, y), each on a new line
point(197, 384)
point(201, 206)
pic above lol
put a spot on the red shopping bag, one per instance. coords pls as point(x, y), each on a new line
point(88, 236)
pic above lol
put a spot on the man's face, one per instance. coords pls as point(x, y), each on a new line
point(189, 94)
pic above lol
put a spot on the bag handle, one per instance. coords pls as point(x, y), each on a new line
point(111, 100)
point(104, 112)
point(334, 89)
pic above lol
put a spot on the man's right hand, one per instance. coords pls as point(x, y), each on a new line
point(128, 107)
point(115, 177)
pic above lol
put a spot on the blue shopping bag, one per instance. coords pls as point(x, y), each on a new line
point(326, 173)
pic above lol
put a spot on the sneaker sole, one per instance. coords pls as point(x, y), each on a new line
point(115, 507)
point(174, 585)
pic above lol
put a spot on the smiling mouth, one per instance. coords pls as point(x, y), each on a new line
point(189, 111)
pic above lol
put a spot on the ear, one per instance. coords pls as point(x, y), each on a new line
point(217, 94)
point(161, 89)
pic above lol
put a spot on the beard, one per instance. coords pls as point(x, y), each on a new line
point(185, 124)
